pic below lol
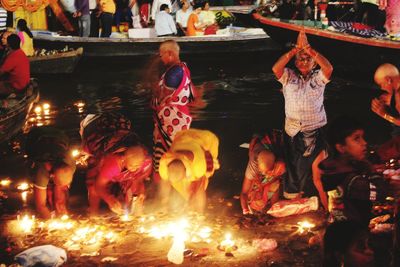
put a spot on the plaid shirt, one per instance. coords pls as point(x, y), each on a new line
point(304, 101)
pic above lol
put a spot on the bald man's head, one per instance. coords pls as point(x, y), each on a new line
point(170, 45)
point(387, 77)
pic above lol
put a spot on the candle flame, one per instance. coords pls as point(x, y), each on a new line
point(5, 182)
point(26, 223)
point(46, 106)
point(23, 186)
point(75, 153)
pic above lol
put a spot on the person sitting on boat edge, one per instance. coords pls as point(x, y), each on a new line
point(194, 26)
point(263, 172)
point(187, 166)
point(165, 24)
point(15, 71)
point(26, 38)
point(117, 159)
point(303, 91)
point(348, 176)
point(52, 169)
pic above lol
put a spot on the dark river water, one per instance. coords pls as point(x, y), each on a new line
point(242, 94)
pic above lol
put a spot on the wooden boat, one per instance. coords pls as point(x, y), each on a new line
point(110, 47)
point(61, 62)
point(13, 120)
point(340, 48)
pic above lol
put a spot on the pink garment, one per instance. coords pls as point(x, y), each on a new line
point(114, 173)
point(171, 109)
point(21, 36)
point(392, 8)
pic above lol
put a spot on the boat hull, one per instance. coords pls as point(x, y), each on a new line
point(64, 62)
point(113, 47)
point(340, 48)
point(14, 120)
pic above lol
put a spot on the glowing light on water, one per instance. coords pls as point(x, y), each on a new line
point(38, 109)
point(24, 196)
point(23, 186)
point(305, 226)
point(5, 182)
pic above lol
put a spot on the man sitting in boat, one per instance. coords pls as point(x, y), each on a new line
point(15, 71)
point(194, 26)
point(303, 90)
point(165, 24)
point(187, 166)
point(52, 169)
point(118, 159)
point(264, 170)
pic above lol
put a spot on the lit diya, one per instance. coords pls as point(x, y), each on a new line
point(227, 245)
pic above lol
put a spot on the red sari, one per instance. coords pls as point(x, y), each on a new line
point(171, 113)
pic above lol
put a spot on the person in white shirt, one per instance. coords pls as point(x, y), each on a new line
point(206, 16)
point(155, 8)
point(165, 25)
point(182, 15)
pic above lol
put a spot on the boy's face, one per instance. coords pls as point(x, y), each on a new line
point(354, 145)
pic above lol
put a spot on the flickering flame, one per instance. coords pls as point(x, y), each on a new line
point(75, 153)
point(26, 223)
point(5, 182)
point(305, 226)
point(46, 106)
point(205, 232)
point(227, 242)
point(79, 104)
point(38, 110)
point(23, 186)
point(125, 218)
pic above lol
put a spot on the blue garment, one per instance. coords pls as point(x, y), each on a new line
point(47, 256)
point(174, 76)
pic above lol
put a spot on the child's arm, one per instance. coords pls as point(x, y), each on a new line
point(247, 184)
point(316, 174)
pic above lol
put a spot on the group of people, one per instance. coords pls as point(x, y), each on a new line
point(177, 17)
point(301, 161)
point(189, 20)
point(381, 15)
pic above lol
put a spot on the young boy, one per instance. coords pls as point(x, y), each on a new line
point(264, 170)
point(188, 165)
point(347, 175)
point(52, 169)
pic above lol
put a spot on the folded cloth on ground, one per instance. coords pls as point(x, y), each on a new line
point(46, 255)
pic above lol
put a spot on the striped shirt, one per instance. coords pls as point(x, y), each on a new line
point(304, 101)
point(3, 19)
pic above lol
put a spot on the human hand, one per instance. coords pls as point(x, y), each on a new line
point(378, 107)
point(116, 207)
point(302, 41)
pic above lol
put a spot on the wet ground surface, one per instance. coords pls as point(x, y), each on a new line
point(243, 98)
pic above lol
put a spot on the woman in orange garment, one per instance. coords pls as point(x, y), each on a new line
point(194, 27)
